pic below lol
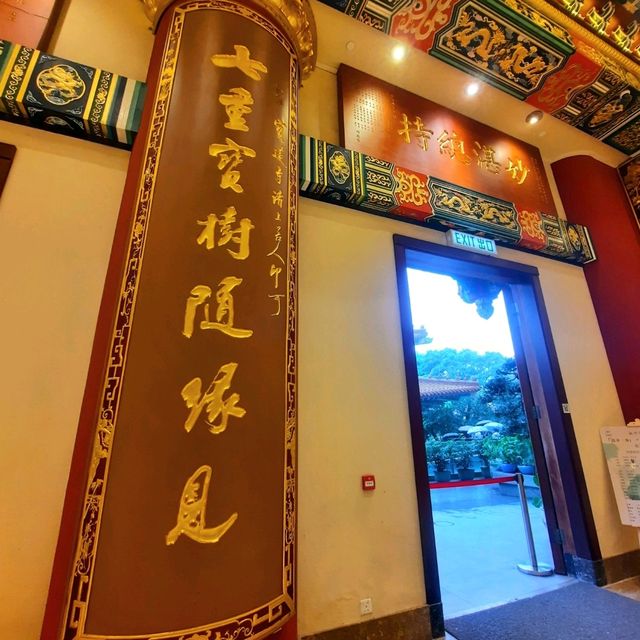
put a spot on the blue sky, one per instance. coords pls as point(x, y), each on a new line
point(452, 323)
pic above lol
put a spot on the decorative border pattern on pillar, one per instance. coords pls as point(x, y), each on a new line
point(351, 179)
point(67, 97)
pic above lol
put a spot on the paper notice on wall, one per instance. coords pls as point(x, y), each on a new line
point(622, 451)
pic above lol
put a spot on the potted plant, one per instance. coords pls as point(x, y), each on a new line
point(527, 466)
point(512, 450)
point(438, 455)
point(461, 453)
point(488, 450)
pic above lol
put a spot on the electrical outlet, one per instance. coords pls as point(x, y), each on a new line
point(366, 606)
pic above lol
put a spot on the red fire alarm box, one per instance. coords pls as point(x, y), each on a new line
point(368, 483)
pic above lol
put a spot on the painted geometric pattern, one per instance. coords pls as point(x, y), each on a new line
point(66, 97)
point(376, 186)
point(523, 52)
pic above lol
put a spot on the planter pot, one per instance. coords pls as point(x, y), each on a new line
point(443, 476)
point(466, 474)
point(526, 469)
point(485, 472)
point(507, 467)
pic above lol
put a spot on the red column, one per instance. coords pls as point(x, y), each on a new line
point(593, 195)
point(179, 520)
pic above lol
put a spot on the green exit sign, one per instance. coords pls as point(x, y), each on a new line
point(471, 243)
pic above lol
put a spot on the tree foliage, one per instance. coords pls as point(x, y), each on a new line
point(499, 397)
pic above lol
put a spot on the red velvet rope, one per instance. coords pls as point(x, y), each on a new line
point(470, 483)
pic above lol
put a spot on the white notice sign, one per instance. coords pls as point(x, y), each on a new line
point(622, 451)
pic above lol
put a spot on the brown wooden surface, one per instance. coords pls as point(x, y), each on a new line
point(26, 21)
point(139, 583)
point(371, 113)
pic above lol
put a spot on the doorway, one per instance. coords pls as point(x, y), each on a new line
point(485, 392)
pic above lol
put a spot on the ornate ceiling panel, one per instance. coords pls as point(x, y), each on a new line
point(576, 60)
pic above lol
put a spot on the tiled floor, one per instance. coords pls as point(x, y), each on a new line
point(480, 539)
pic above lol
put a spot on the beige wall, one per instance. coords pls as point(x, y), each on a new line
point(57, 216)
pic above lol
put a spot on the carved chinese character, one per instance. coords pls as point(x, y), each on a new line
point(277, 198)
point(230, 156)
point(224, 317)
point(453, 147)
point(236, 104)
point(240, 60)
point(486, 158)
point(192, 512)
point(280, 128)
point(517, 171)
point(218, 407)
point(278, 154)
point(238, 235)
point(277, 297)
point(275, 272)
point(278, 175)
point(420, 133)
point(278, 239)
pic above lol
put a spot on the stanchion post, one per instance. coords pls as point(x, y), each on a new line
point(533, 569)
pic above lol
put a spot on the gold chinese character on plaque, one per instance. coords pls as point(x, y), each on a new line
point(278, 175)
point(417, 128)
point(277, 198)
point(218, 407)
point(230, 156)
point(453, 146)
point(517, 171)
point(278, 298)
point(275, 273)
point(192, 512)
point(240, 60)
point(236, 103)
point(278, 239)
point(280, 128)
point(226, 233)
point(486, 158)
point(224, 317)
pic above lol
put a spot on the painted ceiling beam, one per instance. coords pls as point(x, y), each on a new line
point(536, 51)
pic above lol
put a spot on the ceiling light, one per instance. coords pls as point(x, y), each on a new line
point(398, 52)
point(534, 117)
point(472, 89)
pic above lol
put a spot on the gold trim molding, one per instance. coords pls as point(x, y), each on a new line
point(607, 51)
point(294, 17)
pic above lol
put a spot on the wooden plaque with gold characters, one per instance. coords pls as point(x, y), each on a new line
point(387, 122)
point(187, 529)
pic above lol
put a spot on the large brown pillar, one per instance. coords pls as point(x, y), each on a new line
point(179, 519)
point(593, 195)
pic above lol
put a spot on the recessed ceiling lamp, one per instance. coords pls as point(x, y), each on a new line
point(398, 52)
point(534, 117)
point(472, 89)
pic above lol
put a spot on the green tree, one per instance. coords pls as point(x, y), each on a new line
point(447, 416)
point(503, 395)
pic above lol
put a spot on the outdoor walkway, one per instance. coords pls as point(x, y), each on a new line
point(480, 539)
